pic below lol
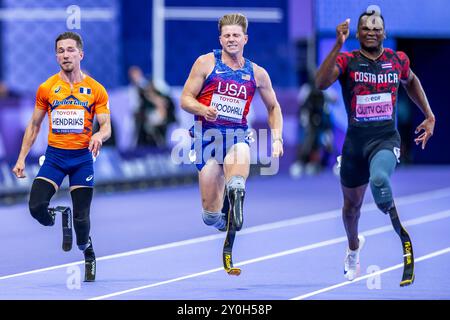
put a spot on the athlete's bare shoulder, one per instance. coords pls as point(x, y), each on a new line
point(261, 75)
point(257, 68)
point(204, 64)
point(206, 58)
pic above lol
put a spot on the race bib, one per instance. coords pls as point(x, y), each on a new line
point(374, 107)
point(67, 121)
point(229, 108)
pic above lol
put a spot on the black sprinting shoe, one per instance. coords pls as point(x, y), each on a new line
point(89, 263)
point(236, 197)
point(66, 214)
point(226, 211)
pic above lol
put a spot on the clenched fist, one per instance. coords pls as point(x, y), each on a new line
point(343, 31)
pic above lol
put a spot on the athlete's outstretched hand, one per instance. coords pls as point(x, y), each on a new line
point(95, 144)
point(428, 127)
point(210, 114)
point(343, 31)
point(19, 169)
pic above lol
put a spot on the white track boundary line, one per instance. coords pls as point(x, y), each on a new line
point(326, 215)
point(397, 266)
point(416, 221)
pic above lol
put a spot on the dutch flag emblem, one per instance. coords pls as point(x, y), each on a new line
point(84, 90)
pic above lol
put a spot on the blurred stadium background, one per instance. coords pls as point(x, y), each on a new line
point(162, 38)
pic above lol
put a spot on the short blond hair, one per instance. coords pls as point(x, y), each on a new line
point(234, 19)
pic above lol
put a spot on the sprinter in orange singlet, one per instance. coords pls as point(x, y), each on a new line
point(71, 99)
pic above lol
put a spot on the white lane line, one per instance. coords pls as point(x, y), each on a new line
point(416, 221)
point(327, 215)
point(346, 283)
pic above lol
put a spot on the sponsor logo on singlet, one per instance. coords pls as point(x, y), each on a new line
point(67, 121)
point(374, 107)
point(69, 102)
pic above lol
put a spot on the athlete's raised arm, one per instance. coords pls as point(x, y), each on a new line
point(328, 71)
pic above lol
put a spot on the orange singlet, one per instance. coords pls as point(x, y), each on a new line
point(71, 110)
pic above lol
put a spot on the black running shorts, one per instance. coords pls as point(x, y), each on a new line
point(360, 146)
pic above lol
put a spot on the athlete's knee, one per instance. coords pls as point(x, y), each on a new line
point(351, 207)
point(381, 191)
point(39, 211)
point(379, 179)
point(40, 195)
point(381, 167)
point(351, 211)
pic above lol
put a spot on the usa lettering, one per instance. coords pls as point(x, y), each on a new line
point(233, 90)
point(367, 77)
